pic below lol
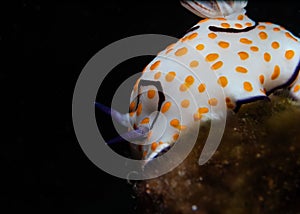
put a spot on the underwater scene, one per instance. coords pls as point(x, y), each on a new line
point(253, 48)
point(256, 166)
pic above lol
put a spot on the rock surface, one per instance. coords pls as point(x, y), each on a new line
point(256, 168)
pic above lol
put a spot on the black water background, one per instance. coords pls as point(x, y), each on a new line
point(44, 166)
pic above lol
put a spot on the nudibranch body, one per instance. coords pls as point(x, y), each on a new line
point(250, 60)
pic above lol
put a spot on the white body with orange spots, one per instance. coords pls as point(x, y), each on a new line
point(250, 60)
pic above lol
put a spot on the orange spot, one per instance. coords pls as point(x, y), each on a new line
point(192, 36)
point(211, 57)
point(145, 120)
point(168, 51)
point(223, 44)
point(131, 106)
point(170, 46)
point(212, 35)
point(223, 81)
point(160, 143)
point(261, 27)
point(181, 51)
point(131, 114)
point(203, 20)
point(275, 45)
point(221, 19)
point(243, 55)
point(175, 136)
point(200, 47)
point(248, 24)
point(185, 103)
point(276, 72)
point(154, 146)
point(240, 17)
point(170, 76)
point(139, 109)
point(201, 87)
point(183, 87)
point(245, 41)
point(213, 102)
point(254, 48)
point(248, 86)
point(289, 54)
point(175, 123)
point(150, 133)
point(189, 80)
point(145, 153)
point(217, 65)
point(225, 25)
point(241, 69)
point(166, 107)
point(194, 64)
point(297, 88)
point(263, 35)
point(182, 127)
point(157, 75)
point(288, 35)
point(276, 29)
point(184, 39)
point(197, 116)
point(262, 79)
point(230, 105)
point(267, 57)
point(151, 94)
point(263, 91)
point(154, 65)
point(237, 25)
point(203, 110)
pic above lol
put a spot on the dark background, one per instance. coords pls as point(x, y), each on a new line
point(57, 40)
